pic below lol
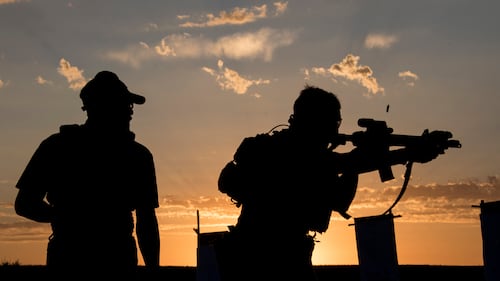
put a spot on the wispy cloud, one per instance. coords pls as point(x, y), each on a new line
point(237, 16)
point(260, 44)
point(409, 75)
point(5, 2)
point(349, 69)
point(248, 45)
point(280, 8)
point(380, 41)
point(151, 27)
point(72, 73)
point(183, 17)
point(42, 81)
point(229, 79)
point(133, 55)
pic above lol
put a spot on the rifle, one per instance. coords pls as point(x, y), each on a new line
point(378, 135)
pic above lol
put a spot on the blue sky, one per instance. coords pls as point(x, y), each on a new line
point(214, 72)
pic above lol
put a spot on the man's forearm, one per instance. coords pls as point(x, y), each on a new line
point(33, 207)
point(358, 162)
point(151, 253)
point(148, 237)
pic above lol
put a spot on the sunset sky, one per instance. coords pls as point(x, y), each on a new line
point(214, 72)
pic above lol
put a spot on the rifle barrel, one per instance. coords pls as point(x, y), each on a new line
point(392, 140)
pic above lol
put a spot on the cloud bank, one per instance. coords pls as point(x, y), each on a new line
point(237, 16)
point(448, 203)
point(443, 203)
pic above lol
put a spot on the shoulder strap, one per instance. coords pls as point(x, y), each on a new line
point(403, 187)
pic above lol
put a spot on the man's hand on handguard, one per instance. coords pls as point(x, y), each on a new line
point(428, 148)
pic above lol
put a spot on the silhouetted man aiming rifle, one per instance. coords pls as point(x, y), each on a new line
point(287, 183)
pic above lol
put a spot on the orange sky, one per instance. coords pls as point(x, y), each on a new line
point(214, 72)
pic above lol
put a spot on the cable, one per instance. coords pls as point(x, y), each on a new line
point(277, 126)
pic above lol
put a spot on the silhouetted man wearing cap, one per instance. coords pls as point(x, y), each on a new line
point(87, 180)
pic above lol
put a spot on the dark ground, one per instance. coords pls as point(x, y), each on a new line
point(324, 273)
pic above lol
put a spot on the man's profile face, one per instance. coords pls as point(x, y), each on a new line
point(323, 126)
point(332, 122)
point(112, 115)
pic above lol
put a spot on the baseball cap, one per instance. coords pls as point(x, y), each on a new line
point(106, 88)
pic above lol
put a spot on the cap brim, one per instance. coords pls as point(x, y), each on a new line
point(137, 99)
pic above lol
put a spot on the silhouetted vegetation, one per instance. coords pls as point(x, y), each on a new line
point(8, 263)
point(14, 271)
